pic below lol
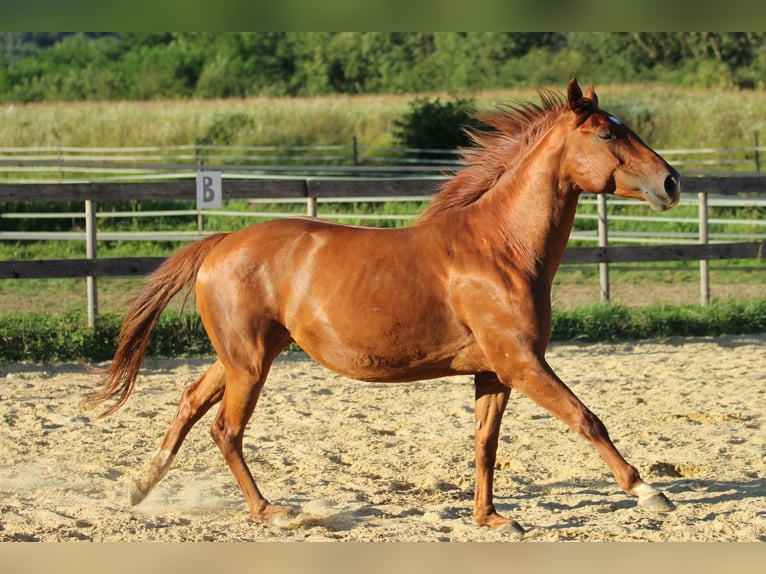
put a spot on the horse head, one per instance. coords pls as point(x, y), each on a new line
point(605, 156)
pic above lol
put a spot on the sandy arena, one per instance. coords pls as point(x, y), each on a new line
point(376, 462)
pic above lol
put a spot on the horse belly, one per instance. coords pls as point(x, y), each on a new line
point(381, 365)
point(381, 345)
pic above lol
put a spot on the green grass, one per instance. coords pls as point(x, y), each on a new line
point(44, 338)
point(617, 323)
point(39, 337)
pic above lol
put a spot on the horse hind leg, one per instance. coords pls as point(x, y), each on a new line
point(491, 400)
point(196, 400)
point(243, 387)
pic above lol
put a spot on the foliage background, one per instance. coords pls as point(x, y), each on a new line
point(48, 66)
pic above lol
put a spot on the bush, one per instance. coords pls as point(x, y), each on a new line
point(431, 124)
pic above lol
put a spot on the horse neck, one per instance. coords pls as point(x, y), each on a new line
point(533, 207)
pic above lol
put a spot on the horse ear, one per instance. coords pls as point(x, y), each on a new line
point(590, 94)
point(574, 94)
point(582, 106)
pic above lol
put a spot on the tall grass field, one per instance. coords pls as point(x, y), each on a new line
point(665, 117)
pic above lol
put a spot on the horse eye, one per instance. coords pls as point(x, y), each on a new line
point(607, 136)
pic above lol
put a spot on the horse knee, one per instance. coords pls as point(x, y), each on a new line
point(218, 431)
point(486, 443)
point(590, 427)
point(226, 439)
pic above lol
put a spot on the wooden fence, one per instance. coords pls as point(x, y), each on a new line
point(311, 190)
point(68, 164)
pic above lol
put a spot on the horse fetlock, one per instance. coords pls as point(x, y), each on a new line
point(500, 523)
point(155, 471)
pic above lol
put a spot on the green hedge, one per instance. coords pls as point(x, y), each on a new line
point(617, 323)
point(43, 338)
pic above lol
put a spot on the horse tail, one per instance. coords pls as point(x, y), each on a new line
point(175, 272)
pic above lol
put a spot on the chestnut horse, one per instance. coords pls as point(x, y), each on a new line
point(466, 290)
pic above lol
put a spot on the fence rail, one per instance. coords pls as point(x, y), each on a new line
point(138, 266)
point(71, 164)
point(312, 190)
point(635, 236)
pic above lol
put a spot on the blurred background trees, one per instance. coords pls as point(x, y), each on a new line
point(144, 66)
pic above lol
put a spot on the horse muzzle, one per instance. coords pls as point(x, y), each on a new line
point(673, 185)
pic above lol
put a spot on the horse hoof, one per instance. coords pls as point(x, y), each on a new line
point(281, 516)
point(657, 502)
point(512, 528)
point(135, 495)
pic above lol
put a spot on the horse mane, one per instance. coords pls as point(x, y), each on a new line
point(499, 143)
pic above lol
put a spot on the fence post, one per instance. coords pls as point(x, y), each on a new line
point(757, 154)
point(603, 268)
point(311, 206)
point(704, 238)
point(198, 164)
point(356, 152)
point(90, 253)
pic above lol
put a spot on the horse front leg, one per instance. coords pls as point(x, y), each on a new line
point(491, 400)
point(538, 381)
point(196, 400)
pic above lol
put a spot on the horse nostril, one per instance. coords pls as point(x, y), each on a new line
point(673, 186)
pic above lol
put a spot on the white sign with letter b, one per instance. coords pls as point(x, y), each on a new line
point(209, 189)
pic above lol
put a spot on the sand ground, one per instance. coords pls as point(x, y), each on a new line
point(375, 462)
